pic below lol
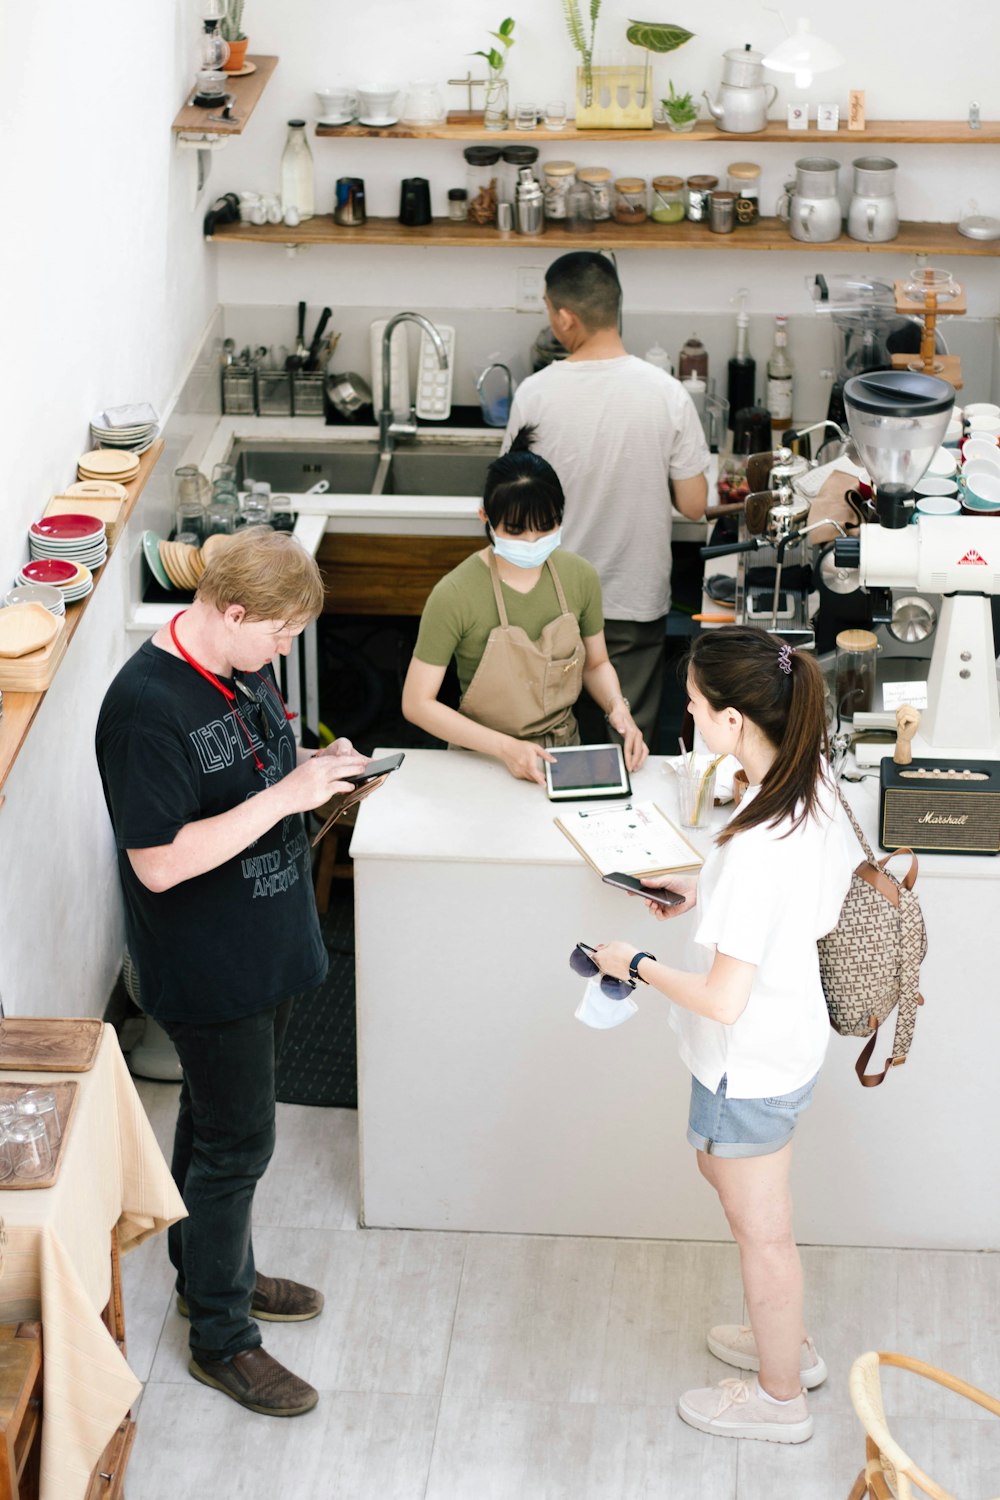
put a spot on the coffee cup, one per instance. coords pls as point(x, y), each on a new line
point(984, 487)
point(982, 409)
point(377, 100)
point(337, 102)
point(981, 447)
point(932, 486)
point(937, 505)
point(984, 427)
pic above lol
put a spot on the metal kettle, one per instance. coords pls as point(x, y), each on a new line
point(743, 100)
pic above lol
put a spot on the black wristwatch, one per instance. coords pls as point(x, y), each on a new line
point(633, 968)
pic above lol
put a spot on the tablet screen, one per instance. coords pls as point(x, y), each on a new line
point(588, 771)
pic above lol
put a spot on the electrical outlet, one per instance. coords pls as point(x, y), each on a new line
point(530, 289)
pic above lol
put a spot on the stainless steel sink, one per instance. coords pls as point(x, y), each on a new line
point(426, 466)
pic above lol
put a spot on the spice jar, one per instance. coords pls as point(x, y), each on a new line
point(481, 183)
point(558, 177)
point(597, 180)
point(668, 200)
point(721, 211)
point(458, 205)
point(698, 189)
point(857, 652)
point(744, 181)
point(512, 159)
point(630, 200)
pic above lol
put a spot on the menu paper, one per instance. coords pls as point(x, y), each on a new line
point(637, 839)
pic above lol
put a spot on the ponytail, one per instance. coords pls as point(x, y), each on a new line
point(781, 691)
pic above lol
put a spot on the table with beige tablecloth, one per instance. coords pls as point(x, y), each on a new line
point(57, 1263)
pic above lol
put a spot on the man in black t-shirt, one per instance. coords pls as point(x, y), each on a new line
point(206, 790)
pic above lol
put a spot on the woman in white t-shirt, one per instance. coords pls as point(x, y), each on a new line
point(754, 1029)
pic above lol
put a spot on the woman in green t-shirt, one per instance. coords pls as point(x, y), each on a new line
point(524, 622)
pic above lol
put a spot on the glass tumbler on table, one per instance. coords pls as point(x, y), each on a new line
point(6, 1159)
point(40, 1104)
point(30, 1149)
point(695, 790)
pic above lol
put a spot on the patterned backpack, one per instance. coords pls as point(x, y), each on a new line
point(869, 964)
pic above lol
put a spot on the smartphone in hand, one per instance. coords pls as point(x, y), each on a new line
point(376, 768)
point(630, 883)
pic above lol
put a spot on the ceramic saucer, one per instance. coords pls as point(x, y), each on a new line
point(332, 120)
point(381, 124)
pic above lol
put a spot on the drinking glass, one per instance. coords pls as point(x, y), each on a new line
point(225, 472)
point(190, 517)
point(526, 117)
point(696, 790)
point(6, 1160)
point(256, 511)
point(40, 1104)
point(555, 114)
point(220, 518)
point(30, 1149)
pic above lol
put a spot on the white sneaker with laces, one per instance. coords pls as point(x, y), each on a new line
point(735, 1344)
point(736, 1409)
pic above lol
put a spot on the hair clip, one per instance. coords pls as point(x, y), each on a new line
point(785, 659)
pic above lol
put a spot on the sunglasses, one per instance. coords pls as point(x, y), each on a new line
point(255, 712)
point(581, 963)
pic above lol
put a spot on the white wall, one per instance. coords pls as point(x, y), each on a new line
point(106, 287)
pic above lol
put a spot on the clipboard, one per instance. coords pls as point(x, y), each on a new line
point(632, 838)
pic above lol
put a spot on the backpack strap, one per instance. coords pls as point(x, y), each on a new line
point(908, 881)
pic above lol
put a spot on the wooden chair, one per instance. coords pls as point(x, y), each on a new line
point(889, 1473)
point(20, 1409)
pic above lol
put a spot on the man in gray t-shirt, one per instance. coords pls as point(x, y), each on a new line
point(626, 441)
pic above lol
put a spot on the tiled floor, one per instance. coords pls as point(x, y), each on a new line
point(507, 1367)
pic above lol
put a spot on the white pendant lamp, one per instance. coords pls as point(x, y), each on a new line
point(802, 54)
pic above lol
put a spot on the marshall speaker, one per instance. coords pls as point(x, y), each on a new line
point(941, 806)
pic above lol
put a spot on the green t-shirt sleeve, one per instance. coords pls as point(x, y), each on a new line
point(440, 626)
point(592, 613)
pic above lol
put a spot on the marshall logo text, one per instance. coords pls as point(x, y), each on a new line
point(933, 817)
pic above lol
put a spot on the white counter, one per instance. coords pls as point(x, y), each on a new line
point(484, 1105)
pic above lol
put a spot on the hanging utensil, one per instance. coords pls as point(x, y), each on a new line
point(312, 357)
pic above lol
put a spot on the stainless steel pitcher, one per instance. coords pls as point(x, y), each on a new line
point(873, 215)
point(810, 205)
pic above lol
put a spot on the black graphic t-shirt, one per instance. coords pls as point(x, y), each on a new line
point(244, 936)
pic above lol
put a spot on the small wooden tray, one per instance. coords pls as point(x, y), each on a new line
point(951, 366)
point(66, 1095)
point(25, 628)
point(34, 672)
point(44, 1044)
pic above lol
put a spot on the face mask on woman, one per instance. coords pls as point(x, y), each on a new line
point(526, 554)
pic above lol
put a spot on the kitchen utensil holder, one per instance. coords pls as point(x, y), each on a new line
point(274, 393)
point(238, 393)
point(307, 394)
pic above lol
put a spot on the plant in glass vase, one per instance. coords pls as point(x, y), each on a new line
point(232, 31)
point(659, 37)
point(495, 112)
point(680, 110)
point(583, 44)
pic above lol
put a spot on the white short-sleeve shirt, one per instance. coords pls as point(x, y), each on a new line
point(766, 899)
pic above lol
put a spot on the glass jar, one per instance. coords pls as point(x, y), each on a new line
point(857, 654)
point(721, 211)
point(579, 211)
point(692, 360)
point(458, 205)
point(597, 181)
point(559, 175)
point(668, 200)
point(512, 159)
point(297, 188)
point(698, 189)
point(630, 200)
point(29, 1148)
point(744, 181)
point(481, 183)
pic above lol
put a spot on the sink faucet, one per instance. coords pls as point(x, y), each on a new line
point(388, 427)
point(496, 365)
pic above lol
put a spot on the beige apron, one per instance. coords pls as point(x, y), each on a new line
point(527, 688)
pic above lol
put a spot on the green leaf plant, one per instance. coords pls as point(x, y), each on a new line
point(495, 58)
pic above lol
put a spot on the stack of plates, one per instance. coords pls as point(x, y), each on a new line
point(76, 538)
point(184, 564)
point(74, 580)
point(37, 593)
point(132, 427)
point(108, 464)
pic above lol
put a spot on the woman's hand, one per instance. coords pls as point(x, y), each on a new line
point(614, 958)
point(521, 758)
point(682, 885)
point(635, 747)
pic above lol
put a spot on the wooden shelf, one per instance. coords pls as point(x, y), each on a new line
point(880, 132)
point(19, 709)
point(193, 119)
point(768, 234)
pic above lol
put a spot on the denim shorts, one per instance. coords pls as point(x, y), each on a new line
point(744, 1127)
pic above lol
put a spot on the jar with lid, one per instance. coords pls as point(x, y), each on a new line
point(698, 189)
point(481, 183)
point(744, 181)
point(857, 653)
point(668, 200)
point(693, 359)
point(579, 209)
point(597, 181)
point(559, 175)
point(458, 205)
point(512, 159)
point(630, 200)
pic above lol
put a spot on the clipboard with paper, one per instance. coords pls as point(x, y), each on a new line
point(637, 839)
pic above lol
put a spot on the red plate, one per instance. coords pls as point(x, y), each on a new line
point(66, 528)
point(50, 570)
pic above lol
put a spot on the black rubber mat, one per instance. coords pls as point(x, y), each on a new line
point(319, 1061)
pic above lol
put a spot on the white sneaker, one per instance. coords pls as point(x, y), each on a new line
point(736, 1345)
point(735, 1408)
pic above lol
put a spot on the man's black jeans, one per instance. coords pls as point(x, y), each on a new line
point(222, 1145)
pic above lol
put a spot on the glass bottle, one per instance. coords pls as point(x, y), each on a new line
point(297, 186)
point(780, 376)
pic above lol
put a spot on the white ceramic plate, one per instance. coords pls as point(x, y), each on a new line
point(151, 551)
point(382, 124)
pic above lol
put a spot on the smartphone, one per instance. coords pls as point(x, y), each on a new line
point(377, 768)
point(629, 883)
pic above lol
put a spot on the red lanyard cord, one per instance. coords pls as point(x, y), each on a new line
point(227, 693)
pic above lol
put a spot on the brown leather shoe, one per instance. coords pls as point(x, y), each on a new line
point(257, 1382)
point(276, 1300)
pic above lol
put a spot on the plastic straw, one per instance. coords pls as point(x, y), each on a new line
point(707, 774)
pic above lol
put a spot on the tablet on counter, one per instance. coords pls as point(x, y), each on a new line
point(587, 771)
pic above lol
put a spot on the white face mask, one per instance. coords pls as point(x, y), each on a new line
point(598, 1010)
point(526, 554)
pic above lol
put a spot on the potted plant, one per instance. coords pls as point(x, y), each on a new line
point(617, 96)
point(680, 110)
point(232, 31)
point(495, 112)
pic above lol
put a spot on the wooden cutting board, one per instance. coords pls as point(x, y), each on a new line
point(33, 673)
point(44, 1044)
point(66, 1095)
point(25, 628)
point(104, 508)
